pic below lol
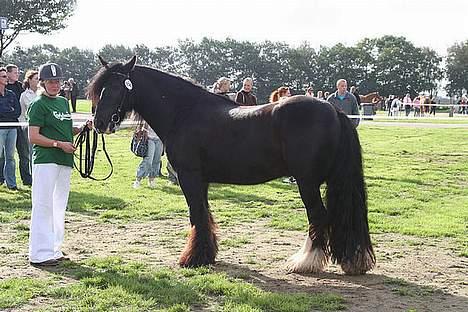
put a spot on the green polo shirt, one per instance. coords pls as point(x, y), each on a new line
point(53, 117)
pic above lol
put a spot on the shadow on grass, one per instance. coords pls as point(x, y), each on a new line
point(221, 192)
point(91, 204)
point(403, 180)
point(393, 292)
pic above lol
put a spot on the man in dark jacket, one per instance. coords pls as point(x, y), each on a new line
point(10, 110)
point(22, 142)
point(344, 100)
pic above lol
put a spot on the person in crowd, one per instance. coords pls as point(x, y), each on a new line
point(320, 95)
point(222, 86)
point(151, 163)
point(388, 104)
point(354, 90)
point(417, 107)
point(22, 143)
point(73, 91)
point(344, 100)
point(281, 92)
point(30, 85)
point(310, 92)
point(462, 104)
point(65, 90)
point(10, 110)
point(245, 95)
point(425, 104)
point(15, 86)
point(395, 107)
point(407, 103)
point(433, 103)
point(51, 133)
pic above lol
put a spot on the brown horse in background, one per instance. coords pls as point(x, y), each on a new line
point(374, 98)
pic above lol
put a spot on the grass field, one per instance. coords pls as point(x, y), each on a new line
point(417, 182)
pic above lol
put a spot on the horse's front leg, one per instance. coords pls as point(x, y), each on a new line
point(314, 255)
point(202, 245)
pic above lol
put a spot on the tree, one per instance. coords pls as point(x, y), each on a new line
point(41, 16)
point(457, 68)
point(116, 53)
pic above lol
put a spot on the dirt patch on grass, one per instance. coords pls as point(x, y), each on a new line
point(411, 273)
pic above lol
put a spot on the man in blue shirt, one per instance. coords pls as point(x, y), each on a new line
point(10, 110)
point(345, 101)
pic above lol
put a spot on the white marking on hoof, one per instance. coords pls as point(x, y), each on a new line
point(307, 260)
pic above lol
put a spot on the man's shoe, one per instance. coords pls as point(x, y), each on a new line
point(14, 188)
point(47, 263)
point(63, 258)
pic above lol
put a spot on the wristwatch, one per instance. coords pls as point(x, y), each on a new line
point(55, 144)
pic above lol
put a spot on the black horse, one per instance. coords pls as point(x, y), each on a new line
point(210, 138)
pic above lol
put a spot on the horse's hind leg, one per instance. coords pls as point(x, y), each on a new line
point(202, 246)
point(314, 254)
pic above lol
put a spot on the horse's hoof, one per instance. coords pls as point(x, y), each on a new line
point(359, 265)
point(194, 263)
point(314, 261)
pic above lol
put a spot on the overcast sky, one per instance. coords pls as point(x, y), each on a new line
point(436, 24)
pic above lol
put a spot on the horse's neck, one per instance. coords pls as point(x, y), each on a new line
point(157, 114)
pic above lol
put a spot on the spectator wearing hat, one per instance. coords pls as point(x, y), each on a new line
point(51, 133)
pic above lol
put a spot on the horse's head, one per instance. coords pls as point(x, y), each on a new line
point(378, 98)
point(110, 91)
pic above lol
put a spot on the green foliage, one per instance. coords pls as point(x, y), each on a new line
point(391, 65)
point(41, 16)
point(78, 64)
point(457, 68)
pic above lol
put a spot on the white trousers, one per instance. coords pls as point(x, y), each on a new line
point(50, 189)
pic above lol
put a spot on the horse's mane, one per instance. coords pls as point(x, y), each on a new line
point(189, 88)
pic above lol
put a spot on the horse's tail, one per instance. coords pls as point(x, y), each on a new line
point(346, 198)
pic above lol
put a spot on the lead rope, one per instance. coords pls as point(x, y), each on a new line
point(84, 138)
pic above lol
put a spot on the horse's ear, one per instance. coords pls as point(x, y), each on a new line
point(130, 65)
point(104, 63)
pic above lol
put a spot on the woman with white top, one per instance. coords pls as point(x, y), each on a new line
point(30, 84)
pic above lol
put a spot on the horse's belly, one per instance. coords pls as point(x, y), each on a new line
point(244, 172)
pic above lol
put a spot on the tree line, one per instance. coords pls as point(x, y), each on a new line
point(390, 64)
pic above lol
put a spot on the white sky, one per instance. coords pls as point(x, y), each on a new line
point(434, 23)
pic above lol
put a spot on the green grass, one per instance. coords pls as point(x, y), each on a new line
point(83, 106)
point(417, 185)
point(18, 291)
point(104, 284)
